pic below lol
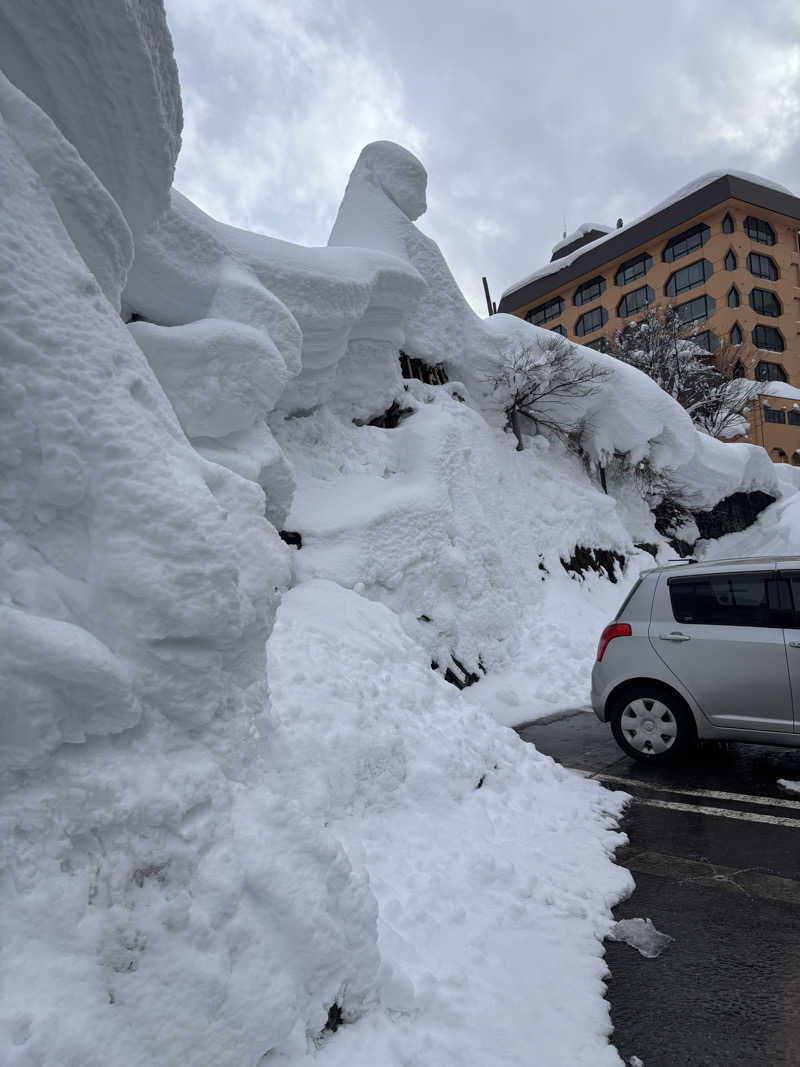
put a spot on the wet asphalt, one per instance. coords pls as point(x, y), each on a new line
point(714, 848)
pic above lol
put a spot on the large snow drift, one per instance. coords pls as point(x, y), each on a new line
point(626, 413)
point(194, 873)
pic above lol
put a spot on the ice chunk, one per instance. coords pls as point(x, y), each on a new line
point(641, 935)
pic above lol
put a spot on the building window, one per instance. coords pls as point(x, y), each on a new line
point(736, 339)
point(634, 301)
point(770, 372)
point(591, 321)
point(545, 312)
point(759, 230)
point(707, 340)
point(634, 268)
point(769, 338)
point(560, 329)
point(764, 302)
point(589, 291)
point(779, 455)
point(738, 367)
point(793, 417)
point(733, 297)
point(600, 345)
point(730, 260)
point(762, 266)
point(696, 310)
point(685, 243)
point(727, 224)
point(689, 277)
point(771, 415)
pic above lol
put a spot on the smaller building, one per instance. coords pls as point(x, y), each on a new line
point(725, 251)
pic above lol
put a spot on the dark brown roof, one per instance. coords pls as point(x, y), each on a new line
point(573, 246)
point(627, 240)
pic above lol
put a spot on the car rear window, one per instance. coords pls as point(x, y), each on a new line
point(727, 600)
point(629, 597)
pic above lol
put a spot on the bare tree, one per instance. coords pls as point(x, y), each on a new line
point(723, 411)
point(539, 382)
point(712, 388)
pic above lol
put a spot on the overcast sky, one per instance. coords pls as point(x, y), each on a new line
point(525, 115)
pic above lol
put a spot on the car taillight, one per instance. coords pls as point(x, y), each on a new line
point(615, 629)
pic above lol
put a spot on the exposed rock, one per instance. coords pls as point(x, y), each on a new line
point(601, 560)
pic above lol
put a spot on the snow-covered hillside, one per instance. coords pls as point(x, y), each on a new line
point(238, 806)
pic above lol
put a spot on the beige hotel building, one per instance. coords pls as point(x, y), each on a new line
point(726, 255)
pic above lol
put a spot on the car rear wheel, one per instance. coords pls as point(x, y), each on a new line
point(652, 725)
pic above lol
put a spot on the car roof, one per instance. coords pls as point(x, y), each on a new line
point(739, 563)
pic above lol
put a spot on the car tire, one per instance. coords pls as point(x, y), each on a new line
point(652, 724)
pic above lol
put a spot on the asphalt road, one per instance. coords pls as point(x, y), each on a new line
point(714, 847)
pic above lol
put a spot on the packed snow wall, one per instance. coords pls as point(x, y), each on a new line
point(186, 867)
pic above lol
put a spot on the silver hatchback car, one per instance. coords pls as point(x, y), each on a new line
point(703, 650)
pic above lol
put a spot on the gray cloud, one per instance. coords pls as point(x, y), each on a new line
point(523, 114)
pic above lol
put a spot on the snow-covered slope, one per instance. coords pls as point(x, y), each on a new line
point(206, 856)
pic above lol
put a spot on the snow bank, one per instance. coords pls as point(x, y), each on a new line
point(103, 70)
point(321, 307)
point(624, 413)
point(489, 863)
point(158, 896)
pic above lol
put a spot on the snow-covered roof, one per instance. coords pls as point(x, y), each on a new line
point(582, 230)
point(781, 390)
point(679, 194)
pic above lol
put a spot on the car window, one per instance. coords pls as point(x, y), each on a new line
point(636, 585)
point(794, 582)
point(724, 600)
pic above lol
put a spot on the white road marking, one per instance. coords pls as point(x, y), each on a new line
point(722, 813)
point(713, 794)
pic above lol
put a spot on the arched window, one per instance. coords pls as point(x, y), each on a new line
point(730, 260)
point(634, 301)
point(738, 369)
point(762, 266)
point(591, 321)
point(779, 455)
point(727, 224)
point(795, 459)
point(759, 230)
point(770, 372)
point(683, 244)
point(589, 291)
point(763, 302)
point(736, 339)
point(733, 297)
point(688, 277)
point(769, 338)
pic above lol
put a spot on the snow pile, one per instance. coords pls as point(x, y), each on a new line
point(463, 538)
point(150, 872)
point(104, 72)
point(488, 862)
point(190, 872)
point(625, 413)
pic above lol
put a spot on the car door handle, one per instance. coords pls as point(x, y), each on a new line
point(794, 644)
point(675, 636)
